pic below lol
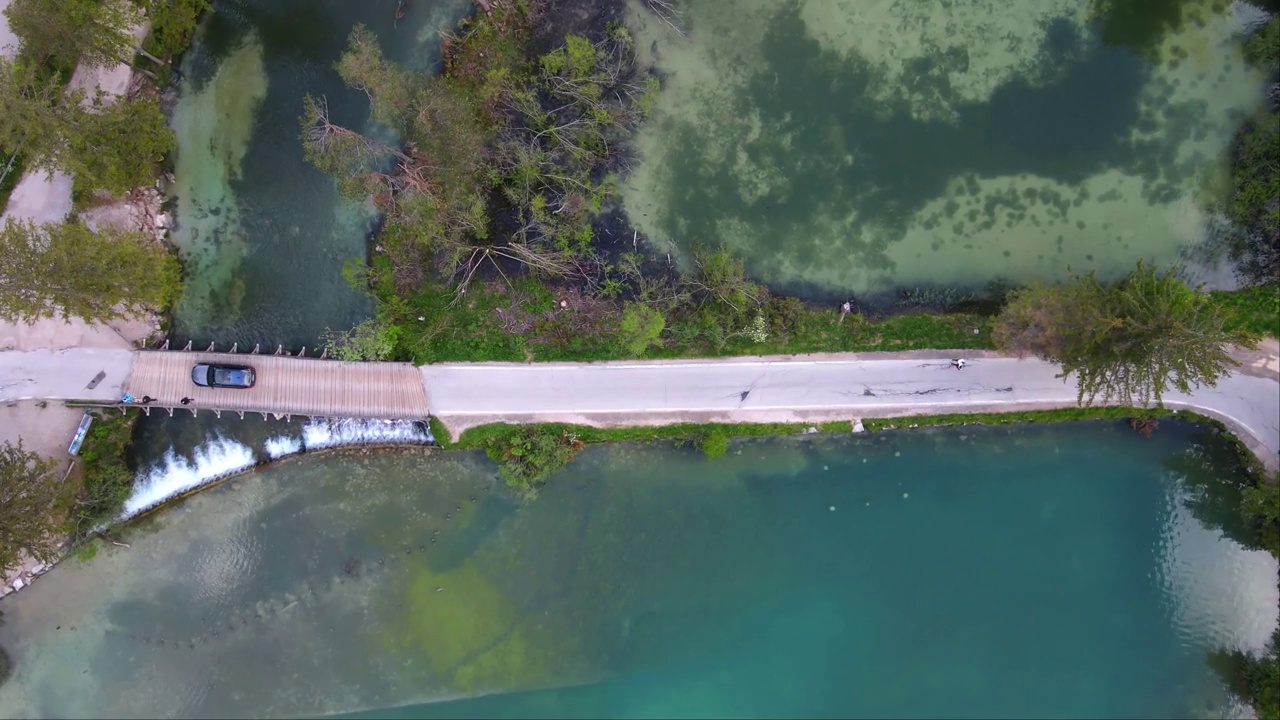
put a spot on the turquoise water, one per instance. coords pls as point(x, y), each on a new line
point(973, 572)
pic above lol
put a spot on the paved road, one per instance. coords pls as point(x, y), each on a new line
point(785, 389)
point(64, 374)
point(797, 390)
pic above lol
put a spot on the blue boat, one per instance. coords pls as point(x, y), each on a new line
point(81, 431)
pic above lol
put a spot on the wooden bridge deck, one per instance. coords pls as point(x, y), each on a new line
point(285, 385)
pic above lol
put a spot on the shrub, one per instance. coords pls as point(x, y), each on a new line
point(529, 455)
point(639, 329)
point(714, 444)
point(108, 479)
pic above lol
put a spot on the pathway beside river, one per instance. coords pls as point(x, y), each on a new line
point(812, 388)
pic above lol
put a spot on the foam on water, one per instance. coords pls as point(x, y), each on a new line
point(219, 456)
point(332, 433)
point(175, 474)
point(282, 445)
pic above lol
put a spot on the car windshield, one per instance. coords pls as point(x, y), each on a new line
point(227, 376)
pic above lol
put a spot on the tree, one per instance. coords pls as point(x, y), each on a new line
point(33, 505)
point(640, 328)
point(173, 23)
point(64, 33)
point(1036, 320)
point(370, 340)
point(390, 88)
point(1262, 508)
point(1126, 342)
point(32, 119)
point(69, 270)
point(116, 146)
point(110, 145)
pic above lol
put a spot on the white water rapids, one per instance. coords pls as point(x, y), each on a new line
point(220, 456)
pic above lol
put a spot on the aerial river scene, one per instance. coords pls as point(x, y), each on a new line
point(631, 434)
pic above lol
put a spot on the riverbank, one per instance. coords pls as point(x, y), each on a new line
point(48, 198)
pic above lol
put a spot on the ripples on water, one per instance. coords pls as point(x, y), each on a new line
point(980, 572)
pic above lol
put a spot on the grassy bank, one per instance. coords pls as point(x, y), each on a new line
point(105, 475)
point(1255, 310)
point(528, 454)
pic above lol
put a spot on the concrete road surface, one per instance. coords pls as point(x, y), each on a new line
point(780, 389)
point(64, 374)
point(797, 389)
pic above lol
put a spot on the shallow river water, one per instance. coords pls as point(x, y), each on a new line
point(971, 572)
point(864, 145)
point(263, 235)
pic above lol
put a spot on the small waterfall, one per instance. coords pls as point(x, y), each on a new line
point(219, 456)
point(332, 433)
point(174, 474)
point(282, 445)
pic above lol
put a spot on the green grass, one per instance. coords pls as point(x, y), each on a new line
point(87, 551)
point(1255, 310)
point(822, 331)
point(1070, 414)
point(528, 454)
point(478, 437)
point(472, 329)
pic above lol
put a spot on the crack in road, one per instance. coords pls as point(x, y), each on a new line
point(929, 391)
point(742, 396)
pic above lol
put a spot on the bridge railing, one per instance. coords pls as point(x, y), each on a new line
point(235, 348)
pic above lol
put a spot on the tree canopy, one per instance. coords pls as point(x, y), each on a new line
point(113, 145)
point(64, 33)
point(32, 506)
point(507, 168)
point(173, 23)
point(1126, 342)
point(72, 271)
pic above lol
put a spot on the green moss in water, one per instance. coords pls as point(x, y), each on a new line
point(464, 630)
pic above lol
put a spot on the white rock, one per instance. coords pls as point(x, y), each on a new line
point(162, 220)
point(857, 426)
point(18, 584)
point(38, 568)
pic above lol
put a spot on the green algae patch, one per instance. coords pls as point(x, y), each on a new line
point(463, 630)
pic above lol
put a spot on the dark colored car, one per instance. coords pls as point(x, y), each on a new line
point(223, 376)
